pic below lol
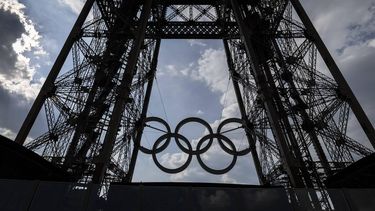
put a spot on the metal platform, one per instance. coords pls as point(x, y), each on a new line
point(360, 174)
point(17, 162)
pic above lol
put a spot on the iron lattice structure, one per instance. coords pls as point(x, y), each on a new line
point(296, 115)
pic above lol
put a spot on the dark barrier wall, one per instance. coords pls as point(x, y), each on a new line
point(17, 162)
point(58, 196)
point(185, 198)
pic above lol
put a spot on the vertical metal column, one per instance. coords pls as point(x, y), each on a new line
point(336, 73)
point(122, 97)
point(314, 138)
point(139, 130)
point(289, 162)
point(252, 142)
point(55, 70)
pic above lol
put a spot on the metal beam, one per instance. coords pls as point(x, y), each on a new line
point(250, 138)
point(55, 70)
point(290, 164)
point(138, 135)
point(336, 73)
point(122, 97)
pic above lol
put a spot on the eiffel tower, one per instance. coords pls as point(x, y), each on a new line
point(294, 112)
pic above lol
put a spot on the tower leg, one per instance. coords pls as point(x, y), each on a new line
point(137, 141)
point(122, 97)
point(290, 163)
point(55, 70)
point(252, 142)
point(336, 73)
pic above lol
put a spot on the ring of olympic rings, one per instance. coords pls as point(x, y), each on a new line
point(203, 145)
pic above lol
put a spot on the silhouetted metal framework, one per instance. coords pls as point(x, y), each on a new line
point(295, 112)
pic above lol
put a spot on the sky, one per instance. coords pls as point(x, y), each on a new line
point(192, 78)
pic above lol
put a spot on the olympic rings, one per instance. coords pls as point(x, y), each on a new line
point(198, 120)
point(220, 138)
point(224, 142)
point(165, 145)
point(168, 136)
point(222, 145)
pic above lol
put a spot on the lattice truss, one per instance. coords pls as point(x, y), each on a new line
point(316, 113)
point(313, 112)
point(79, 107)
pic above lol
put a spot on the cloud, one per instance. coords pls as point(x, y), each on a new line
point(199, 43)
point(74, 5)
point(348, 29)
point(20, 50)
point(243, 172)
point(18, 39)
point(371, 43)
point(200, 112)
point(212, 70)
point(14, 108)
point(7, 133)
